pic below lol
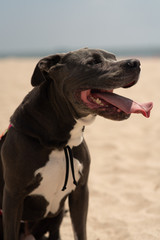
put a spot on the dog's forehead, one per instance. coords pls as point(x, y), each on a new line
point(108, 55)
point(79, 55)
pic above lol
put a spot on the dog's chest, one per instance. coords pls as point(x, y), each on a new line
point(54, 173)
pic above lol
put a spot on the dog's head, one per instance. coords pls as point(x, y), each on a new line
point(86, 78)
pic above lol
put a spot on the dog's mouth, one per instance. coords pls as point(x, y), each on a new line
point(113, 106)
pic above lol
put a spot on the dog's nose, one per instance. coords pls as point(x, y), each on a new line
point(133, 63)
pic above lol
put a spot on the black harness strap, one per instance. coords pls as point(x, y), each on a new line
point(72, 165)
point(67, 169)
point(69, 157)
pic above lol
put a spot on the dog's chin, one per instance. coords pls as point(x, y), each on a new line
point(113, 114)
point(110, 112)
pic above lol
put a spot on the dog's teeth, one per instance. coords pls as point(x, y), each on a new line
point(97, 100)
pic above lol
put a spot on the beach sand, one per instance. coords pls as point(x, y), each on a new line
point(124, 179)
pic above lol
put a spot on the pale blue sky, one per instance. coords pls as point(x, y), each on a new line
point(43, 25)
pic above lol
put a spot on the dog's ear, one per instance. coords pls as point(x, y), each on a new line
point(42, 68)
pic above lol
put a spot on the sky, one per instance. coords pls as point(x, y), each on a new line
point(46, 25)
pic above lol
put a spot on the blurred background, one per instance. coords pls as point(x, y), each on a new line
point(124, 179)
point(37, 28)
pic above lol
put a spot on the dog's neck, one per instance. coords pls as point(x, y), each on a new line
point(62, 105)
point(52, 122)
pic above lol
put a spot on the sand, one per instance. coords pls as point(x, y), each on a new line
point(124, 179)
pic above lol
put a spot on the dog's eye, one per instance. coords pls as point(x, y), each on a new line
point(96, 59)
point(91, 62)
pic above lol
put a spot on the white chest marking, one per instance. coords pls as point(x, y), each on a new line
point(54, 171)
point(76, 133)
point(53, 174)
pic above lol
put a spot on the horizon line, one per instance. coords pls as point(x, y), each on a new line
point(119, 51)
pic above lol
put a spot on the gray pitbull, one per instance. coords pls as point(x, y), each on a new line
point(44, 156)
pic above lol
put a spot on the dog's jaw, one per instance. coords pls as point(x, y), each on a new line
point(93, 100)
point(113, 106)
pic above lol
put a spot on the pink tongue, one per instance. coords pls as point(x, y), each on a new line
point(125, 104)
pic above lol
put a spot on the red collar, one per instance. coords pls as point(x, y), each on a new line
point(1, 136)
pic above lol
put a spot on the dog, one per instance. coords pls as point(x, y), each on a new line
point(44, 157)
